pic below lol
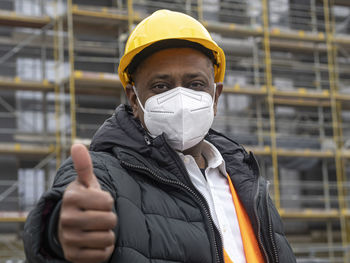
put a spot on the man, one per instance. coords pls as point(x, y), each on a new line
point(161, 186)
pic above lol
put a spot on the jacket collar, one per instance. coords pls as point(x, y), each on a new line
point(124, 135)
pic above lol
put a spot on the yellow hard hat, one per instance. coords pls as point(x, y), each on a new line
point(167, 25)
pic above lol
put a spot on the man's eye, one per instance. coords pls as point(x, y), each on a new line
point(160, 87)
point(197, 85)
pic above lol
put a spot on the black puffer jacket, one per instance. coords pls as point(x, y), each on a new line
point(161, 216)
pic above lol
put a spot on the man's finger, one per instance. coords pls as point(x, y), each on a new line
point(89, 220)
point(91, 239)
point(83, 166)
point(89, 255)
point(82, 198)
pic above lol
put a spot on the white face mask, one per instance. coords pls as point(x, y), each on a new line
point(184, 115)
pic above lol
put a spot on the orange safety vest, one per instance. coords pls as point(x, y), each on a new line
point(250, 244)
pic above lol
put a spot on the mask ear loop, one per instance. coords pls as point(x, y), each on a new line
point(137, 96)
point(214, 94)
point(143, 109)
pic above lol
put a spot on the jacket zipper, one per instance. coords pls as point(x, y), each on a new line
point(211, 223)
point(258, 220)
point(183, 186)
point(270, 227)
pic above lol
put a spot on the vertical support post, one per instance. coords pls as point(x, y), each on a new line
point(339, 115)
point(57, 87)
point(335, 123)
point(43, 74)
point(71, 67)
point(268, 83)
point(130, 15)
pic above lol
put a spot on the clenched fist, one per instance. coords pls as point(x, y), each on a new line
point(86, 222)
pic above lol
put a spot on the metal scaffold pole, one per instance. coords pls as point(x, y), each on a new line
point(57, 27)
point(337, 134)
point(71, 70)
point(130, 14)
point(269, 87)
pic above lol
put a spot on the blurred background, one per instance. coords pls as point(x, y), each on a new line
point(286, 98)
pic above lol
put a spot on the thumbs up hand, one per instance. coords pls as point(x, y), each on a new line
point(86, 218)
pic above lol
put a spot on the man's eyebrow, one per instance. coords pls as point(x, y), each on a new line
point(193, 75)
point(161, 76)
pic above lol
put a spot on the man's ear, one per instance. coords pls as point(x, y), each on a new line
point(132, 98)
point(219, 87)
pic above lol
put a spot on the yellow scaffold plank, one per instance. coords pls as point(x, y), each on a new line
point(17, 83)
point(297, 45)
point(302, 93)
point(232, 29)
point(103, 14)
point(25, 149)
point(13, 217)
point(343, 97)
point(307, 153)
point(297, 35)
point(97, 83)
point(275, 33)
point(301, 102)
point(13, 19)
point(297, 97)
point(260, 151)
point(107, 16)
point(237, 89)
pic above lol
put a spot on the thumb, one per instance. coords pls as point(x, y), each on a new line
point(83, 166)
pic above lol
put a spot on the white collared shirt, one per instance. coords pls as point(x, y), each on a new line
point(216, 190)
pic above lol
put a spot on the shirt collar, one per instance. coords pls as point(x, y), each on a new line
point(212, 155)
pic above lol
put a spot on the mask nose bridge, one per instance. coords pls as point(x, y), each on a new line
point(179, 91)
point(167, 97)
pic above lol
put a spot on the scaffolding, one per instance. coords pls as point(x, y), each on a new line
point(286, 98)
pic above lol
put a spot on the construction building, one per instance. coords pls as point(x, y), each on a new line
point(286, 98)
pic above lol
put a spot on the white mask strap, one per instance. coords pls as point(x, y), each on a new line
point(214, 94)
point(137, 96)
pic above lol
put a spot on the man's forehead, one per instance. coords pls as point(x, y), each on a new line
point(176, 56)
